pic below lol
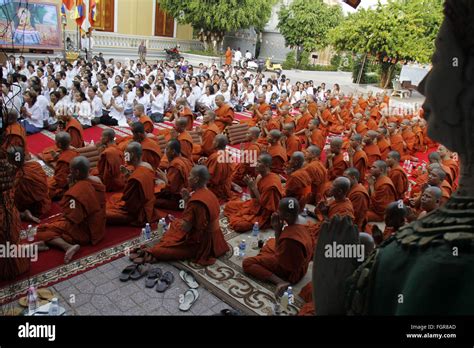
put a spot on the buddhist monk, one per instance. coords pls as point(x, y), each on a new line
point(257, 111)
point(266, 125)
point(395, 217)
point(110, 161)
point(292, 143)
point(74, 128)
point(340, 205)
point(185, 139)
point(437, 177)
point(298, 184)
point(284, 105)
point(357, 156)
point(228, 56)
point(335, 161)
point(397, 174)
point(175, 179)
point(283, 260)
point(197, 235)
point(220, 169)
point(15, 134)
point(139, 113)
point(58, 183)
point(317, 173)
point(359, 197)
point(253, 148)
point(381, 190)
point(303, 121)
point(82, 220)
point(285, 116)
point(449, 162)
point(182, 110)
point(151, 151)
point(314, 135)
point(266, 191)
point(135, 206)
point(435, 157)
point(31, 186)
point(430, 200)
point(382, 143)
point(277, 151)
point(312, 105)
point(409, 137)
point(370, 148)
point(359, 125)
point(208, 132)
point(224, 113)
point(396, 140)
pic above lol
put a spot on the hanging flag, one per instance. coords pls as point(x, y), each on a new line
point(80, 12)
point(93, 11)
point(86, 24)
point(68, 4)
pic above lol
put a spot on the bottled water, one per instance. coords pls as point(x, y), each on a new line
point(30, 233)
point(242, 247)
point(305, 212)
point(284, 301)
point(92, 143)
point(147, 231)
point(255, 230)
point(291, 297)
point(143, 235)
point(161, 225)
point(32, 300)
point(54, 307)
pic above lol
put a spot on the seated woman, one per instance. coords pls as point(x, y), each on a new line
point(32, 114)
point(83, 110)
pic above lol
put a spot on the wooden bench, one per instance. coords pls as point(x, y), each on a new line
point(237, 133)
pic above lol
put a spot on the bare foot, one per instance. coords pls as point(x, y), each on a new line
point(27, 216)
point(280, 289)
point(71, 252)
point(41, 246)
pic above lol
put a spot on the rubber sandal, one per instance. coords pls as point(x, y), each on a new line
point(190, 297)
point(165, 281)
point(136, 253)
point(146, 258)
point(152, 277)
point(45, 294)
point(23, 302)
point(189, 279)
point(125, 275)
point(139, 272)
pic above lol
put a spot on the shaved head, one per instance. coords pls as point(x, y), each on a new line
point(266, 159)
point(220, 141)
point(314, 150)
point(138, 128)
point(80, 166)
point(357, 137)
point(254, 132)
point(199, 176)
point(296, 160)
point(289, 206)
point(289, 127)
point(182, 122)
point(395, 214)
point(394, 155)
point(135, 150)
point(63, 140)
point(434, 157)
point(352, 174)
point(340, 187)
point(381, 165)
point(108, 136)
point(336, 141)
point(275, 134)
point(220, 97)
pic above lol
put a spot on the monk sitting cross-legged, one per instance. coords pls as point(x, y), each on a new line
point(139, 113)
point(266, 191)
point(135, 206)
point(220, 168)
point(430, 200)
point(382, 143)
point(357, 156)
point(449, 162)
point(182, 110)
point(370, 148)
point(258, 109)
point(303, 121)
point(336, 163)
point(151, 150)
point(15, 134)
point(58, 183)
point(253, 149)
point(197, 235)
point(314, 134)
point(110, 160)
point(397, 174)
point(317, 172)
point(83, 219)
point(381, 190)
point(208, 132)
point(283, 260)
point(277, 151)
point(292, 142)
point(31, 186)
point(298, 184)
point(359, 197)
point(175, 179)
point(224, 113)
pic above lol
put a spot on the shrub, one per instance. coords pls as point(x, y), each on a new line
point(290, 61)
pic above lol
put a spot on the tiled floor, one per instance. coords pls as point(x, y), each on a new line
point(100, 292)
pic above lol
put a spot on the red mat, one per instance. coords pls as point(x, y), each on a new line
point(38, 142)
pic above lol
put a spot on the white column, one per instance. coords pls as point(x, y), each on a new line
point(153, 19)
point(115, 16)
point(175, 27)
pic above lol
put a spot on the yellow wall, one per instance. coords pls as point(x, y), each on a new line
point(184, 32)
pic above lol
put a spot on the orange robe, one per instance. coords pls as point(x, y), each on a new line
point(188, 113)
point(147, 123)
point(186, 141)
point(319, 176)
point(15, 135)
point(177, 174)
point(420, 143)
point(361, 162)
point(362, 128)
point(372, 125)
point(384, 194)
point(108, 168)
point(255, 118)
point(303, 122)
point(220, 182)
point(151, 152)
point(228, 57)
point(446, 191)
point(334, 125)
point(243, 169)
point(373, 154)
point(339, 166)
point(293, 144)
point(400, 180)
point(135, 206)
point(298, 186)
point(360, 199)
point(58, 184)
point(204, 243)
point(206, 148)
point(242, 215)
point(224, 116)
point(453, 168)
point(396, 144)
point(288, 258)
point(313, 108)
point(74, 128)
point(410, 139)
point(384, 147)
point(82, 223)
point(281, 105)
point(279, 158)
point(318, 138)
point(31, 189)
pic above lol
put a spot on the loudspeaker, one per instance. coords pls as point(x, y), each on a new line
point(352, 3)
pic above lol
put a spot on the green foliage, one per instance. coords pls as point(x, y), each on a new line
point(343, 62)
point(370, 74)
point(220, 16)
point(290, 61)
point(306, 23)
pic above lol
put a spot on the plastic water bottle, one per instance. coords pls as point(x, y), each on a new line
point(147, 231)
point(92, 143)
point(255, 230)
point(54, 307)
point(161, 226)
point(291, 297)
point(284, 301)
point(242, 247)
point(305, 212)
point(30, 233)
point(143, 235)
point(32, 300)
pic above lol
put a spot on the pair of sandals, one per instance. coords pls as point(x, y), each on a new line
point(156, 277)
point(134, 272)
point(140, 256)
point(190, 296)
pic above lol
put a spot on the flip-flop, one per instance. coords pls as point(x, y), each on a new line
point(189, 279)
point(190, 297)
point(145, 258)
point(136, 253)
point(23, 302)
point(45, 294)
point(152, 277)
point(139, 272)
point(125, 275)
point(165, 281)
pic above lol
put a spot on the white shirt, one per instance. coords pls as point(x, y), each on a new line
point(119, 115)
point(248, 55)
point(96, 106)
point(145, 101)
point(238, 56)
point(37, 115)
point(226, 95)
point(106, 96)
point(197, 91)
point(191, 101)
point(248, 98)
point(157, 103)
point(84, 112)
point(170, 75)
point(43, 105)
point(208, 101)
point(129, 97)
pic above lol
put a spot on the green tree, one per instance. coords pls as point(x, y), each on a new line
point(305, 24)
point(212, 19)
point(403, 30)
